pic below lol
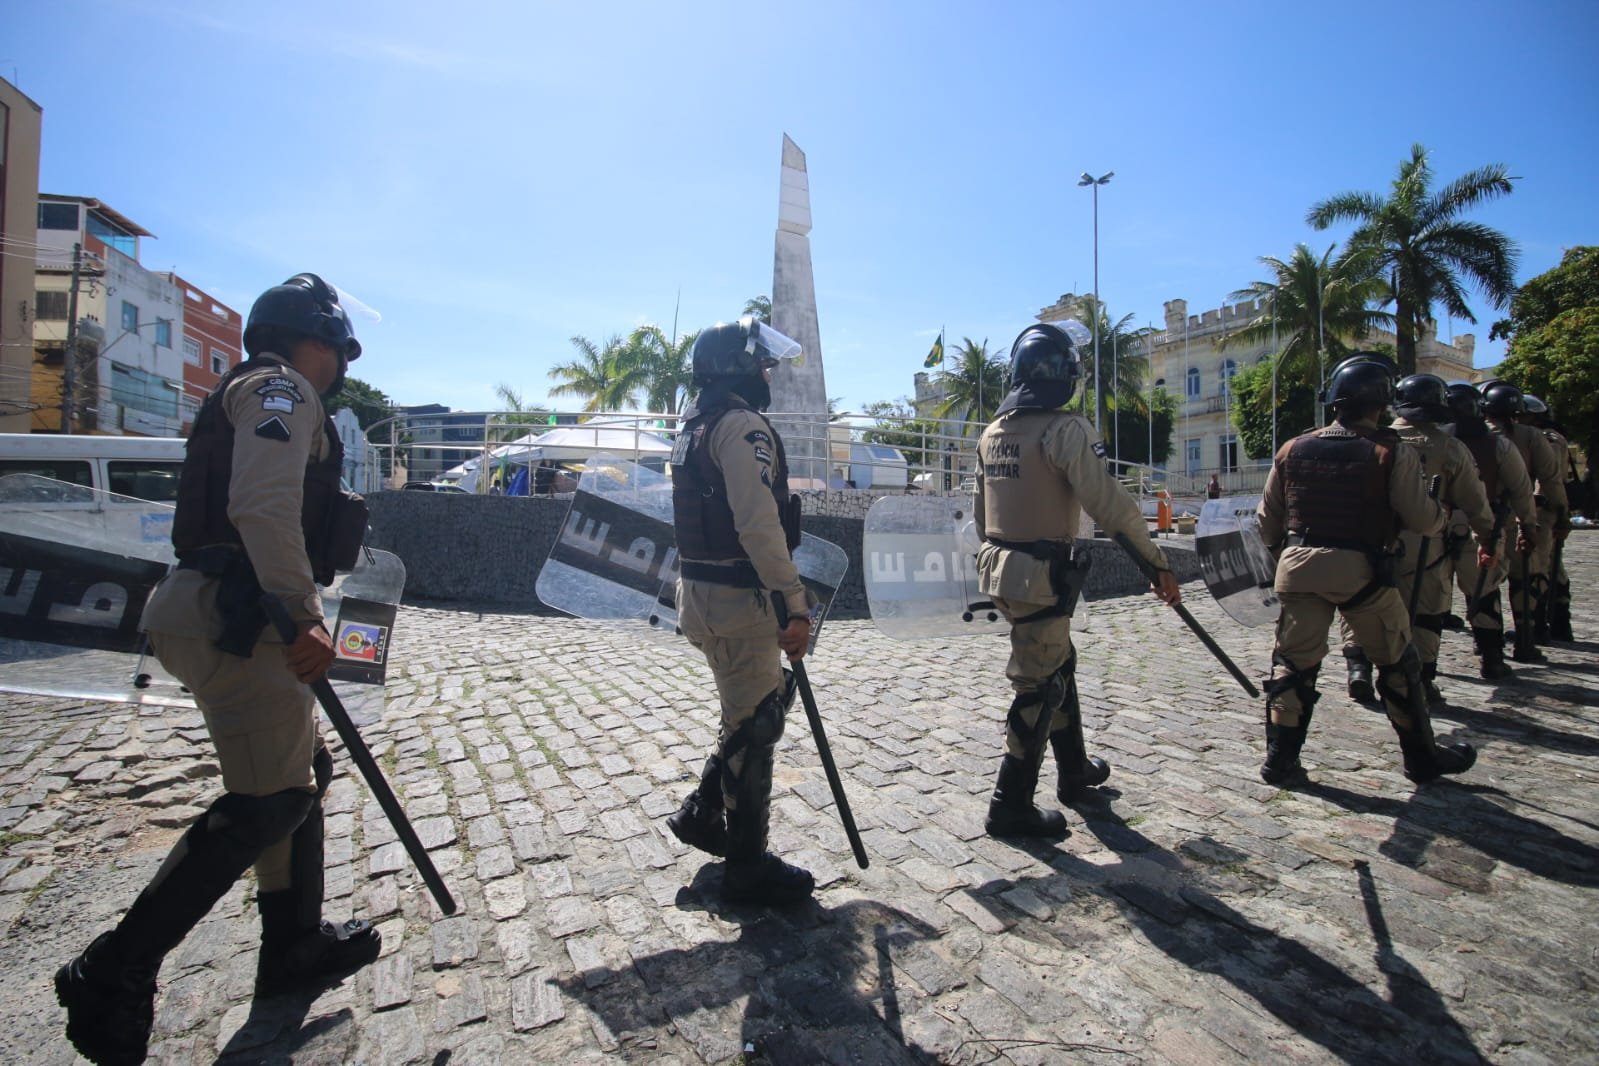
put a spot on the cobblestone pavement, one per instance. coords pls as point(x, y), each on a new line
point(1194, 915)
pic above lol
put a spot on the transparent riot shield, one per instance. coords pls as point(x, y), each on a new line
point(920, 554)
point(1237, 568)
point(615, 559)
point(76, 568)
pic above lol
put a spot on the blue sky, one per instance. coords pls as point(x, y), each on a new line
point(495, 178)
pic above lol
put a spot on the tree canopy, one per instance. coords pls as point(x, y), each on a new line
point(369, 404)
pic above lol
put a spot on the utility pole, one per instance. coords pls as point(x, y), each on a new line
point(69, 362)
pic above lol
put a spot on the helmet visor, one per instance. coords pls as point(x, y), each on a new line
point(772, 347)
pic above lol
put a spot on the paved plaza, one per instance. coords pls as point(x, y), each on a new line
point(1193, 916)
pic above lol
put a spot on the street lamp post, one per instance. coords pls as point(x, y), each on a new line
point(1095, 183)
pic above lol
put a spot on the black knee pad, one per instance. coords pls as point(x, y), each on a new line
point(254, 823)
point(1406, 668)
point(1301, 682)
point(764, 728)
point(1432, 623)
point(322, 767)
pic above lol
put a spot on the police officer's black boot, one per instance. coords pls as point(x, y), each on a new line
point(1560, 619)
point(752, 874)
point(701, 822)
point(1425, 759)
point(1076, 772)
point(1283, 744)
point(298, 949)
point(109, 990)
point(1011, 813)
point(1360, 687)
point(1491, 650)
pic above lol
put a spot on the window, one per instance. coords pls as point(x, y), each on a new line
point(1229, 453)
point(74, 471)
point(1193, 383)
point(163, 332)
point(1229, 370)
point(191, 351)
point(50, 306)
point(114, 235)
point(219, 361)
point(130, 317)
point(144, 479)
point(58, 216)
point(143, 391)
point(1191, 454)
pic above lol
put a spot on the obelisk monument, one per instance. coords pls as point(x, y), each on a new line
point(799, 393)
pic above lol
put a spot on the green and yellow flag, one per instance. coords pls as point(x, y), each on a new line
point(935, 356)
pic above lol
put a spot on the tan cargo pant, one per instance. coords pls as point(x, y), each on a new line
point(736, 630)
point(262, 721)
point(1529, 577)
point(1037, 650)
point(1466, 573)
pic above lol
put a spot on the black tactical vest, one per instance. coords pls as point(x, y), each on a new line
point(1479, 441)
point(700, 511)
point(1335, 481)
point(202, 505)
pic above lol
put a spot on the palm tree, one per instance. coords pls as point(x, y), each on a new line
point(760, 307)
point(668, 374)
point(516, 413)
point(1312, 305)
point(1122, 358)
point(1420, 242)
point(973, 390)
point(606, 377)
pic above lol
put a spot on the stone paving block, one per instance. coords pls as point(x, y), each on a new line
point(455, 941)
point(391, 981)
point(535, 1001)
point(505, 898)
point(461, 1001)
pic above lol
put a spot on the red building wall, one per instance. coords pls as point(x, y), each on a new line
point(215, 327)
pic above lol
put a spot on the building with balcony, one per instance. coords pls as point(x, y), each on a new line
point(125, 375)
point(212, 345)
point(21, 122)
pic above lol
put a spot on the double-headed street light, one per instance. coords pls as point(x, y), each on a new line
point(1090, 180)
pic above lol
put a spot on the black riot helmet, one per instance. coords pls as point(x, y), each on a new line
point(1044, 366)
point(1422, 398)
point(303, 306)
point(1464, 400)
point(739, 349)
point(1536, 410)
point(1501, 399)
point(1365, 380)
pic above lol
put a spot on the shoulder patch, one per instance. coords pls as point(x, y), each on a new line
point(273, 428)
point(277, 402)
point(286, 386)
point(1098, 448)
point(758, 436)
point(762, 455)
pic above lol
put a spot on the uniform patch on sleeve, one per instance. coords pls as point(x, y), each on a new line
point(1099, 448)
point(283, 385)
point(766, 477)
point(273, 428)
point(277, 402)
point(758, 436)
point(763, 455)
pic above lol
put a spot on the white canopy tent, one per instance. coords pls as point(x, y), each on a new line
point(565, 444)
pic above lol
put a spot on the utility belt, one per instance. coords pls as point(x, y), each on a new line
point(739, 574)
point(1384, 563)
point(1068, 572)
point(238, 595)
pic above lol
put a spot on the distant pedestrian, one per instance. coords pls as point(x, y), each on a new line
point(1213, 490)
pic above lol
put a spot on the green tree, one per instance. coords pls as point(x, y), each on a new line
point(1253, 412)
point(515, 415)
point(1424, 247)
point(972, 391)
point(607, 377)
point(1123, 360)
point(760, 307)
point(1554, 344)
point(667, 372)
point(368, 403)
point(898, 426)
point(1131, 430)
point(1308, 303)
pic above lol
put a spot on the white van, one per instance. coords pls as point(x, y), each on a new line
point(145, 468)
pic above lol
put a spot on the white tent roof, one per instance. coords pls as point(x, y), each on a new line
point(566, 443)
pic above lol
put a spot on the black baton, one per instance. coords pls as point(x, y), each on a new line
point(1421, 553)
point(1152, 575)
point(361, 755)
point(808, 698)
point(1501, 509)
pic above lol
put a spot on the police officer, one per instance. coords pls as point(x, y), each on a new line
point(737, 527)
point(1509, 491)
point(258, 511)
point(1038, 468)
point(1554, 616)
point(1504, 403)
point(1334, 503)
point(1421, 402)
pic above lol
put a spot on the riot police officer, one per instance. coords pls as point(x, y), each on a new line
point(259, 511)
point(737, 526)
point(1554, 615)
point(1509, 491)
point(1038, 468)
point(1421, 402)
point(1335, 500)
point(1504, 403)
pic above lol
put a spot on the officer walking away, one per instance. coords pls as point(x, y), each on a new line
point(1509, 491)
point(737, 528)
point(1038, 468)
point(1504, 404)
point(1421, 402)
point(259, 509)
point(1335, 500)
point(1554, 619)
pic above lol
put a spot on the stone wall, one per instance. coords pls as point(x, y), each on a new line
point(488, 549)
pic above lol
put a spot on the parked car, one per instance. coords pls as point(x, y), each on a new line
point(431, 486)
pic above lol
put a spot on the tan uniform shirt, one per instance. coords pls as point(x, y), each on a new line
point(748, 468)
point(1561, 449)
point(278, 425)
point(1546, 470)
point(1072, 452)
point(1460, 487)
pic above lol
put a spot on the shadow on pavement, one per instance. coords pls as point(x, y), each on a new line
point(276, 1031)
point(1507, 721)
point(1299, 987)
point(805, 985)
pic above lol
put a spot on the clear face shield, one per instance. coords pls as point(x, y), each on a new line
point(771, 347)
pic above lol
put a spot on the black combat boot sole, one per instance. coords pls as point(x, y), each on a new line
point(93, 1017)
point(1006, 822)
point(341, 957)
point(1464, 753)
point(693, 831)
